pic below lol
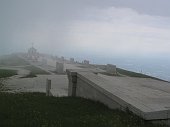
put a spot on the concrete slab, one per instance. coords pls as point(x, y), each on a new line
point(59, 84)
point(147, 97)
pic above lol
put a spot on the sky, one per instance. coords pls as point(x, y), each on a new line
point(86, 28)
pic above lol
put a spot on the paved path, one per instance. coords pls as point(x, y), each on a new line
point(38, 84)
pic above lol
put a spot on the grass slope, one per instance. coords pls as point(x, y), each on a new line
point(34, 71)
point(4, 73)
point(135, 74)
point(131, 74)
point(37, 110)
point(12, 60)
point(124, 72)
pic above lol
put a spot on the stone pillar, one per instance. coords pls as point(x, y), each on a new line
point(72, 77)
point(59, 67)
point(111, 69)
point(48, 87)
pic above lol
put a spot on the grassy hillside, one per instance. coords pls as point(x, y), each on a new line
point(37, 110)
point(124, 72)
point(34, 71)
point(134, 74)
point(12, 60)
point(4, 73)
point(131, 74)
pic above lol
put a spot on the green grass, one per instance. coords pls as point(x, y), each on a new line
point(131, 74)
point(4, 73)
point(123, 72)
point(12, 60)
point(135, 74)
point(1, 84)
point(35, 70)
point(30, 75)
point(37, 110)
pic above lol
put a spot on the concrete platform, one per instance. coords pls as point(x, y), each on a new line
point(59, 84)
point(146, 97)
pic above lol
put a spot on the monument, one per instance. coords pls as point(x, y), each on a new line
point(32, 54)
point(59, 67)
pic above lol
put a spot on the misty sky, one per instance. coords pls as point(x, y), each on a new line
point(86, 27)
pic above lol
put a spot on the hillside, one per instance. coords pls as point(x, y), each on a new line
point(37, 110)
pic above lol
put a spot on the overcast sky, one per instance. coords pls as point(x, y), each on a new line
point(86, 27)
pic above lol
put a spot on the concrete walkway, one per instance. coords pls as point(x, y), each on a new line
point(59, 84)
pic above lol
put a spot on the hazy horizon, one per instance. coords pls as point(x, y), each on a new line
point(99, 30)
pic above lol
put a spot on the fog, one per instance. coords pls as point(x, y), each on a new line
point(101, 30)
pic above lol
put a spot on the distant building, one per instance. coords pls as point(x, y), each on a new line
point(85, 62)
point(32, 54)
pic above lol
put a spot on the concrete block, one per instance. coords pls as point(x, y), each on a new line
point(72, 77)
point(59, 67)
point(48, 87)
point(111, 69)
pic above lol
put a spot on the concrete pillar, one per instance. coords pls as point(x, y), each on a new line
point(111, 69)
point(59, 67)
point(48, 87)
point(72, 77)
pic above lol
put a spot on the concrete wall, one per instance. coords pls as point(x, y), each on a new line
point(72, 76)
point(85, 89)
point(81, 86)
point(85, 84)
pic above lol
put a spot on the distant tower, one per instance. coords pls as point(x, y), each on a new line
point(32, 53)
